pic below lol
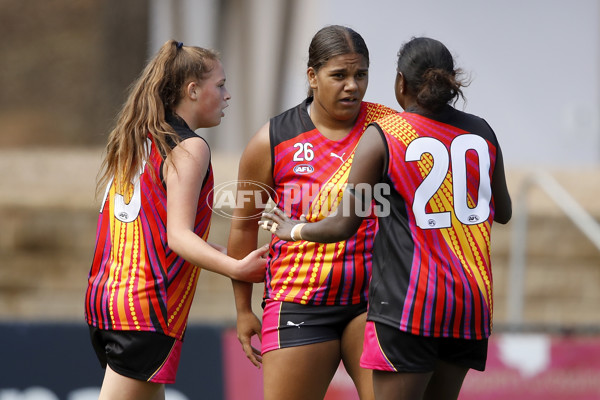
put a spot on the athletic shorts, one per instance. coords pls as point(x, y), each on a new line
point(288, 324)
point(145, 356)
point(388, 349)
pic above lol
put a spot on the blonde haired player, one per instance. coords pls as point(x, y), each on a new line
point(146, 265)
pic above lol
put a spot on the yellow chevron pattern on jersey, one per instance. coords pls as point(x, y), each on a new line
point(314, 273)
point(466, 242)
point(325, 202)
point(129, 252)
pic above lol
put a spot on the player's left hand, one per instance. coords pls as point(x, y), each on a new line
point(279, 224)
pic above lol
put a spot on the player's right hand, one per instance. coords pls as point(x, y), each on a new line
point(249, 325)
point(253, 267)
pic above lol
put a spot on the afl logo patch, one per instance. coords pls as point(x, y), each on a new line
point(303, 169)
point(473, 218)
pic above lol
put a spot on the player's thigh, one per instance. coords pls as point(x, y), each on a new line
point(120, 387)
point(352, 345)
point(446, 381)
point(399, 385)
point(352, 341)
point(300, 372)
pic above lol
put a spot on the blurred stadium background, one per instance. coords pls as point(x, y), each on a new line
point(66, 64)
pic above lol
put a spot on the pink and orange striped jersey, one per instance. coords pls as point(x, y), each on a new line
point(309, 174)
point(136, 281)
point(431, 271)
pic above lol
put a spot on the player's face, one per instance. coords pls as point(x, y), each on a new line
point(340, 85)
point(212, 97)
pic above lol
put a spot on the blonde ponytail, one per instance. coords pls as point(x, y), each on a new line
point(157, 91)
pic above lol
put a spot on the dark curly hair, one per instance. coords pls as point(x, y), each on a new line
point(429, 72)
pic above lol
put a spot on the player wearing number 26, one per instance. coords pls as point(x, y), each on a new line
point(315, 297)
point(430, 297)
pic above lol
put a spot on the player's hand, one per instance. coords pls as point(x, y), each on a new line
point(279, 224)
point(253, 267)
point(249, 325)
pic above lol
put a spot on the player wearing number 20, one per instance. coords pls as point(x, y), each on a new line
point(448, 186)
point(430, 297)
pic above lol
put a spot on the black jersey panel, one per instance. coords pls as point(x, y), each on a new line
point(393, 242)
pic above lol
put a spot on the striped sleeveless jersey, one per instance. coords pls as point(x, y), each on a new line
point(136, 281)
point(431, 271)
point(309, 174)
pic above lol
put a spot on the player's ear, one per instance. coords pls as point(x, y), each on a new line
point(191, 90)
point(312, 77)
point(400, 82)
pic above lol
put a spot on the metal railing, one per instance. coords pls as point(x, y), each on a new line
point(516, 274)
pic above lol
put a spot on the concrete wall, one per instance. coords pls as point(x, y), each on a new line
point(48, 214)
point(66, 65)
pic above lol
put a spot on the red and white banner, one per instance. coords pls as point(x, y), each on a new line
point(519, 367)
point(536, 367)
